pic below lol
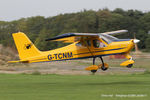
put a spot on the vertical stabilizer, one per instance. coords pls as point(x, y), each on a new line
point(24, 46)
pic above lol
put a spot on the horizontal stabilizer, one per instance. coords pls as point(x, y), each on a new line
point(13, 61)
point(19, 61)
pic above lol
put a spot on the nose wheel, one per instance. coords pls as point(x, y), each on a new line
point(129, 63)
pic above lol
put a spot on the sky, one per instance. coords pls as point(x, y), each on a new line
point(16, 9)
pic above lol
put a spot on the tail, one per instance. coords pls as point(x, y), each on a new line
point(25, 47)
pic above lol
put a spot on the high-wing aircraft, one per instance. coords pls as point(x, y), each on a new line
point(83, 45)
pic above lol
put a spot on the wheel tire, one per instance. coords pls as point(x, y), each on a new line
point(93, 71)
point(104, 68)
point(129, 66)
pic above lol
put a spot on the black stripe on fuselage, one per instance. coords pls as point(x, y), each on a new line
point(99, 51)
point(82, 57)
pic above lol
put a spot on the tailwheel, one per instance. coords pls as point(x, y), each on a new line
point(129, 66)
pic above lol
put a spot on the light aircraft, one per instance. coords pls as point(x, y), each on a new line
point(83, 45)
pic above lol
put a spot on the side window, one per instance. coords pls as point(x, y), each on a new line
point(88, 42)
point(98, 44)
point(85, 43)
point(78, 44)
point(102, 44)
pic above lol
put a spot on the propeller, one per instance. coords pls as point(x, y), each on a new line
point(136, 41)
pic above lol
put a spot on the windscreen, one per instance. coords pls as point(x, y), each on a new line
point(107, 38)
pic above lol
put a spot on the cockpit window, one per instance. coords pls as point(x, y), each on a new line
point(98, 44)
point(78, 44)
point(88, 42)
point(84, 43)
point(107, 38)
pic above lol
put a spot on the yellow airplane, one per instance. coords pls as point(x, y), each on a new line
point(83, 45)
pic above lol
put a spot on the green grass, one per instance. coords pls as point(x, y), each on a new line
point(73, 87)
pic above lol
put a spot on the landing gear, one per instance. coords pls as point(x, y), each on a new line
point(129, 66)
point(129, 63)
point(93, 68)
point(103, 67)
point(94, 71)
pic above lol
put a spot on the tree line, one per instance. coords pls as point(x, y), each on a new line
point(39, 28)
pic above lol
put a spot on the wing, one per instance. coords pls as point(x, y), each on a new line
point(115, 32)
point(73, 37)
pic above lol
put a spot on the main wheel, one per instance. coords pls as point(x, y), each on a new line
point(93, 71)
point(104, 68)
point(129, 66)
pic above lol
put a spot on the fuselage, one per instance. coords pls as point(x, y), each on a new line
point(85, 49)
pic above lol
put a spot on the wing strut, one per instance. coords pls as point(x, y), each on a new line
point(86, 43)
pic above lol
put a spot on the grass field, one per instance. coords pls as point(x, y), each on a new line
point(74, 87)
point(73, 82)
